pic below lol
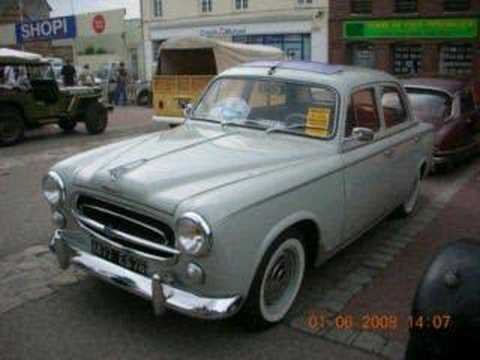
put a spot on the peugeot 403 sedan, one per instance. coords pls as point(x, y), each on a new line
point(276, 167)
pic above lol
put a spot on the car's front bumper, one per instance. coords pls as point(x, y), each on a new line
point(157, 289)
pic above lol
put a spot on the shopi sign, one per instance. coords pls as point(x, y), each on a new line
point(48, 29)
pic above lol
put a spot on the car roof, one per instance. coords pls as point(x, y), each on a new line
point(449, 86)
point(340, 77)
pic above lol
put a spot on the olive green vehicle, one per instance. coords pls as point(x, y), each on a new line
point(35, 99)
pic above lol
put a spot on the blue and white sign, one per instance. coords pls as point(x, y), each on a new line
point(47, 29)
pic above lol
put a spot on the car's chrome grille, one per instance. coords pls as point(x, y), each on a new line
point(125, 227)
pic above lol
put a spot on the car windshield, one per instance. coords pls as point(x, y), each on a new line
point(270, 105)
point(429, 105)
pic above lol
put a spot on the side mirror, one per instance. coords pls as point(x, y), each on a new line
point(187, 110)
point(363, 134)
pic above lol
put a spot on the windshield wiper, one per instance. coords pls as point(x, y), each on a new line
point(242, 122)
point(278, 128)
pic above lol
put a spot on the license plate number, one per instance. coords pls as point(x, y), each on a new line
point(118, 257)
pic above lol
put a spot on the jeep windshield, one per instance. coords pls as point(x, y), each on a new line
point(270, 105)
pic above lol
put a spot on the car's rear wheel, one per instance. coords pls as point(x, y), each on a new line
point(12, 127)
point(409, 206)
point(276, 283)
point(96, 118)
point(67, 124)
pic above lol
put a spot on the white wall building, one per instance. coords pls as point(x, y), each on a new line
point(299, 27)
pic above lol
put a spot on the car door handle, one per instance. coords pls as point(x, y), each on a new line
point(389, 153)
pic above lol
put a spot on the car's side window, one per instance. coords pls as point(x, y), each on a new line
point(393, 107)
point(362, 112)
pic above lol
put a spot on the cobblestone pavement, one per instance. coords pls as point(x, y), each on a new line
point(348, 284)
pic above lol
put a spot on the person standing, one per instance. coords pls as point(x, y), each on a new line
point(68, 74)
point(9, 75)
point(121, 89)
point(86, 78)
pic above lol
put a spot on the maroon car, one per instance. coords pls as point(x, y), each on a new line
point(450, 106)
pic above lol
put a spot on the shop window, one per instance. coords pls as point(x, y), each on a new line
point(394, 111)
point(406, 6)
point(456, 5)
point(361, 6)
point(206, 6)
point(304, 2)
point(295, 46)
point(407, 59)
point(456, 59)
point(363, 55)
point(157, 8)
point(362, 112)
point(241, 4)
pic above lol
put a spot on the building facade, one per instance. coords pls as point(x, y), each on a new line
point(298, 27)
point(407, 37)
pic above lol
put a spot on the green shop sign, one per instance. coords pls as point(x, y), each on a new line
point(412, 28)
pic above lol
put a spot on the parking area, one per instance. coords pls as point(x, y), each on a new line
point(45, 312)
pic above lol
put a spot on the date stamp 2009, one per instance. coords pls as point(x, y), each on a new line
point(317, 320)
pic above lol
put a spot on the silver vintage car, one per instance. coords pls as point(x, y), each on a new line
point(277, 167)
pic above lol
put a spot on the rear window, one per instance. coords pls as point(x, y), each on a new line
point(429, 105)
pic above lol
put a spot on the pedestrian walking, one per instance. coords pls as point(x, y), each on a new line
point(121, 89)
point(68, 74)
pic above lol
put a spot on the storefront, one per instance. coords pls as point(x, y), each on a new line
point(444, 46)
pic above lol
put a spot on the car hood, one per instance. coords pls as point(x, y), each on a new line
point(165, 169)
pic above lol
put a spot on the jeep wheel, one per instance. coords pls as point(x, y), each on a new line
point(67, 124)
point(96, 118)
point(12, 127)
point(276, 283)
point(144, 99)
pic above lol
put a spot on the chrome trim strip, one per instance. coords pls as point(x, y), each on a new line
point(109, 212)
point(124, 236)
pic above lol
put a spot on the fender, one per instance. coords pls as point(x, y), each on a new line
point(285, 224)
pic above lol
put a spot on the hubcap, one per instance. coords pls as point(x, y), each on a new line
point(282, 279)
point(412, 200)
point(279, 277)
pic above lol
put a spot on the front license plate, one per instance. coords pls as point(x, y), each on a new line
point(123, 259)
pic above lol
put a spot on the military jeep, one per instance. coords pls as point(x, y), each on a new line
point(35, 99)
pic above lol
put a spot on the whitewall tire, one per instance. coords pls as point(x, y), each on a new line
point(277, 282)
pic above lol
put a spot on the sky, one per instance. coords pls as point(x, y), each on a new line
point(64, 7)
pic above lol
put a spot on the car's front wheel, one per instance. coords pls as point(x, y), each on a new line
point(96, 119)
point(12, 127)
point(67, 124)
point(276, 283)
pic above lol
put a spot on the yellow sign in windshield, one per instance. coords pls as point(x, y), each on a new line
point(318, 122)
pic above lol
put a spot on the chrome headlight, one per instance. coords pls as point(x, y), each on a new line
point(193, 234)
point(53, 188)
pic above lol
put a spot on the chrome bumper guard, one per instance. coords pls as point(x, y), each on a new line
point(156, 289)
